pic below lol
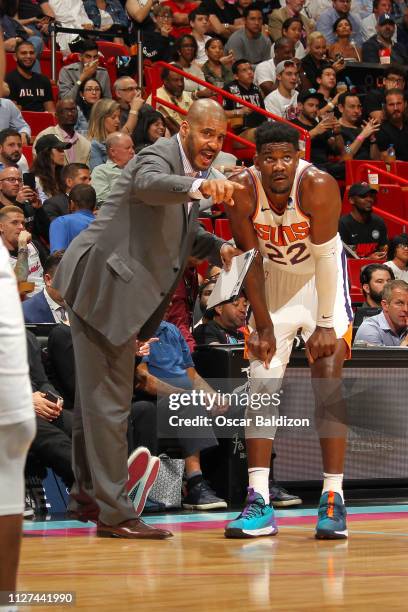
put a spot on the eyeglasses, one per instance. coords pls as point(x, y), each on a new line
point(93, 89)
point(129, 89)
point(402, 246)
point(395, 80)
point(12, 179)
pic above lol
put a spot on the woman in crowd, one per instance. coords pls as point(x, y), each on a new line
point(104, 119)
point(185, 52)
point(105, 14)
point(398, 257)
point(215, 71)
point(344, 46)
point(315, 60)
point(150, 127)
point(292, 28)
point(89, 92)
point(47, 166)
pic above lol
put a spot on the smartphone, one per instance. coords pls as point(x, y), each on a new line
point(29, 180)
point(53, 397)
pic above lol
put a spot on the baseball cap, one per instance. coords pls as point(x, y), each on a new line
point(360, 189)
point(311, 93)
point(282, 65)
point(385, 18)
point(50, 141)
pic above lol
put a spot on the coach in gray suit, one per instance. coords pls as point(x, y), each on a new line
point(118, 277)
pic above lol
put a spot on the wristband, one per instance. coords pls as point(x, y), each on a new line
point(133, 112)
point(78, 83)
point(360, 138)
point(331, 105)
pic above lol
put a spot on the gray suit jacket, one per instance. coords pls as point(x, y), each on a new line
point(120, 273)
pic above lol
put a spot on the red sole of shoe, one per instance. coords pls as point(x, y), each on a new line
point(146, 489)
point(137, 470)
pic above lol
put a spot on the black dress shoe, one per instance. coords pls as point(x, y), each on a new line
point(134, 529)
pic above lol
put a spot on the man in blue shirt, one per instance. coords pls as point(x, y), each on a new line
point(165, 373)
point(390, 327)
point(82, 203)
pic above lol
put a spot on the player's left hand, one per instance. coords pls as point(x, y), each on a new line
point(322, 343)
point(227, 252)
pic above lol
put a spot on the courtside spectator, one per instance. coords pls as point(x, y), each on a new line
point(23, 255)
point(150, 127)
point(89, 92)
point(292, 28)
point(71, 76)
point(394, 128)
point(369, 29)
point(11, 118)
point(204, 292)
point(344, 45)
point(11, 148)
point(222, 17)
point(170, 362)
point(70, 14)
point(224, 326)
point(47, 165)
point(325, 134)
point(389, 328)
point(283, 100)
point(104, 120)
point(278, 17)
point(52, 442)
point(29, 90)
point(339, 8)
point(185, 53)
point(158, 44)
point(180, 10)
point(120, 150)
point(398, 256)
point(249, 42)
point(172, 91)
point(265, 72)
point(359, 136)
point(67, 116)
point(71, 175)
point(314, 60)
point(199, 23)
point(216, 71)
point(372, 279)
point(393, 78)
point(47, 306)
point(82, 203)
point(361, 230)
point(243, 119)
point(381, 48)
point(13, 32)
point(14, 193)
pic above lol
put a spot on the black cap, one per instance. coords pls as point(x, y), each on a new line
point(311, 93)
point(50, 141)
point(385, 18)
point(361, 190)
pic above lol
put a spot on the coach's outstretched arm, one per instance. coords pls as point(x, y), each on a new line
point(320, 197)
point(262, 343)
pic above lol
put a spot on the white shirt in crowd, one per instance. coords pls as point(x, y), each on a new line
point(58, 312)
point(70, 14)
point(265, 71)
point(279, 105)
point(35, 269)
point(201, 54)
point(398, 273)
point(300, 51)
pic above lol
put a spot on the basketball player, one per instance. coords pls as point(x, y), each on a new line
point(289, 211)
point(17, 420)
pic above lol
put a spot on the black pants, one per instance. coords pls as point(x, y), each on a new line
point(52, 446)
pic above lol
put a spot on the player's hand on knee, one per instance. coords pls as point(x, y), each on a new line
point(322, 343)
point(262, 345)
point(220, 190)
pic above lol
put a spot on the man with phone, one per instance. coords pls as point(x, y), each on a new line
point(21, 191)
point(71, 77)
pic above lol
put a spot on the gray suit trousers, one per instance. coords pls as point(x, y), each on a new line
point(104, 385)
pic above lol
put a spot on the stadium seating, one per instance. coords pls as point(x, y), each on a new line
point(38, 121)
point(222, 229)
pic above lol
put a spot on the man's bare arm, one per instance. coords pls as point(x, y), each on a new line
point(151, 384)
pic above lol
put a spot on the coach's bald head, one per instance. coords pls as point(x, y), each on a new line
point(202, 133)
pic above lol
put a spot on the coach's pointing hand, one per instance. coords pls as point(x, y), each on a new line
point(220, 190)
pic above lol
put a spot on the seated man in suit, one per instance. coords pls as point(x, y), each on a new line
point(47, 306)
point(72, 174)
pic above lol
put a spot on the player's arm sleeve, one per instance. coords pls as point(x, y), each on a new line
point(325, 256)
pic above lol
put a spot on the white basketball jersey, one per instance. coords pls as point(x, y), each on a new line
point(284, 239)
